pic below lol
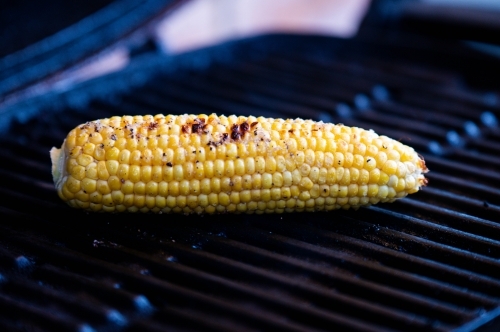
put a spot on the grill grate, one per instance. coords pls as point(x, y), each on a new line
point(429, 262)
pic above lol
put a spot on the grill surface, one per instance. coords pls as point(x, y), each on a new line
point(429, 262)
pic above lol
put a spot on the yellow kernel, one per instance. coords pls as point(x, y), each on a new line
point(304, 196)
point(215, 185)
point(360, 149)
point(383, 191)
point(373, 190)
point(358, 161)
point(393, 155)
point(112, 154)
point(354, 172)
point(226, 184)
point(95, 197)
point(265, 195)
point(123, 171)
point(309, 157)
point(239, 167)
point(112, 167)
point(306, 183)
point(229, 168)
point(324, 190)
point(245, 196)
point(146, 173)
point(267, 180)
point(352, 189)
point(152, 188)
point(102, 170)
point(139, 188)
point(114, 183)
point(370, 163)
point(194, 187)
point(260, 165)
point(95, 138)
point(184, 187)
point(160, 201)
point(103, 187)
point(384, 179)
point(163, 188)
point(134, 174)
point(89, 185)
point(139, 201)
point(84, 159)
point(107, 200)
point(410, 183)
point(127, 187)
point(81, 139)
point(205, 186)
point(315, 191)
point(135, 157)
point(339, 173)
point(88, 149)
point(280, 164)
point(343, 191)
point(402, 170)
point(339, 159)
point(346, 177)
point(234, 197)
point(78, 172)
point(82, 196)
point(305, 169)
point(150, 202)
point(124, 157)
point(276, 194)
point(390, 167)
point(99, 152)
point(224, 199)
point(277, 179)
point(374, 176)
point(270, 164)
point(73, 185)
point(381, 158)
point(364, 176)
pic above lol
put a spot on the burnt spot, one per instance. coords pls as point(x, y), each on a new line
point(239, 131)
point(254, 124)
point(113, 137)
point(235, 135)
point(152, 125)
point(122, 180)
point(169, 164)
point(185, 129)
point(198, 126)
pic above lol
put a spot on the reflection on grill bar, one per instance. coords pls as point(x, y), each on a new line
point(429, 262)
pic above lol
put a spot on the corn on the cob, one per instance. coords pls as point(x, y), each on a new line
point(216, 164)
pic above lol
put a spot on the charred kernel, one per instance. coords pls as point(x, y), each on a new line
point(209, 164)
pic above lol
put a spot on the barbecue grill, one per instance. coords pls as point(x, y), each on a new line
point(428, 262)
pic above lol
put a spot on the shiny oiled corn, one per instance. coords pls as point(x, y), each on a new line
point(216, 164)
